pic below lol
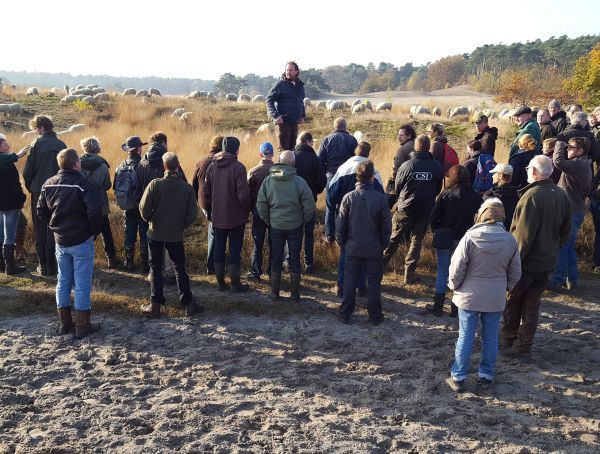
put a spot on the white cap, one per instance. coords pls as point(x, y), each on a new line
point(505, 169)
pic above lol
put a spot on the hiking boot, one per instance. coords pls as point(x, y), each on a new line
point(275, 285)
point(453, 310)
point(144, 264)
point(10, 267)
point(458, 386)
point(128, 263)
point(83, 326)
point(437, 308)
point(295, 287)
point(220, 274)
point(112, 263)
point(361, 292)
point(376, 321)
point(236, 283)
point(66, 325)
point(409, 276)
point(192, 308)
point(309, 269)
point(484, 382)
point(344, 318)
point(151, 310)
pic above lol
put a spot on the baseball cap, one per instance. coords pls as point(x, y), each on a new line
point(522, 110)
point(266, 149)
point(132, 143)
point(505, 169)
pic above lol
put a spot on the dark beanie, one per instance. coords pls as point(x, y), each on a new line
point(231, 144)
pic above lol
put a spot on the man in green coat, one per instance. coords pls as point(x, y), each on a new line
point(285, 202)
point(527, 125)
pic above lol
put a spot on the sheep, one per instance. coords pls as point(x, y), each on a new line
point(89, 100)
point(266, 127)
point(259, 98)
point(32, 91)
point(386, 105)
point(178, 112)
point(359, 109)
point(419, 110)
point(196, 94)
point(502, 113)
point(462, 110)
point(16, 108)
point(98, 90)
point(210, 94)
point(185, 116)
point(336, 105)
point(79, 127)
point(142, 94)
point(91, 86)
point(154, 92)
point(101, 97)
point(307, 102)
point(347, 105)
point(244, 98)
point(436, 111)
point(356, 102)
point(4, 108)
point(231, 97)
point(321, 105)
point(368, 105)
point(69, 99)
point(359, 135)
point(79, 87)
point(129, 92)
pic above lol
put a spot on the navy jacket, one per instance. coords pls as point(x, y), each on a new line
point(336, 149)
point(286, 100)
point(309, 167)
point(519, 163)
point(418, 183)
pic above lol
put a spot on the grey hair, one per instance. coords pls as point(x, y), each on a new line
point(554, 103)
point(90, 145)
point(340, 124)
point(170, 160)
point(543, 165)
point(578, 117)
point(287, 157)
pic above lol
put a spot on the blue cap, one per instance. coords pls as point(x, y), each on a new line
point(266, 149)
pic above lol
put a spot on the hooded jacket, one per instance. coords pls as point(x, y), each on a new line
point(576, 130)
point(336, 148)
point(151, 167)
point(533, 129)
point(96, 169)
point(576, 176)
point(488, 137)
point(547, 130)
point(286, 99)
point(509, 197)
point(11, 193)
point(200, 176)
point(227, 198)
point(285, 202)
point(418, 183)
point(559, 121)
point(437, 148)
point(256, 175)
point(403, 154)
point(41, 163)
point(519, 162)
point(309, 167)
point(484, 266)
point(455, 208)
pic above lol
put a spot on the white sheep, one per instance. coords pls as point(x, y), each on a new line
point(155, 92)
point(98, 90)
point(90, 100)
point(244, 98)
point(54, 91)
point(129, 92)
point(356, 102)
point(142, 94)
point(336, 105)
point(101, 97)
point(321, 105)
point(32, 91)
point(91, 86)
point(419, 110)
point(307, 102)
point(178, 112)
point(382, 106)
point(359, 135)
point(368, 105)
point(436, 111)
point(185, 116)
point(69, 99)
point(359, 109)
point(266, 128)
point(197, 94)
point(259, 98)
point(79, 87)
point(461, 110)
point(79, 127)
point(231, 97)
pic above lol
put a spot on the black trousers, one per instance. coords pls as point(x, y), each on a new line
point(156, 260)
point(44, 239)
point(352, 269)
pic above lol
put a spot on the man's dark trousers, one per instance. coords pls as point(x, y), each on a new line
point(374, 266)
point(156, 260)
point(287, 134)
point(294, 241)
point(259, 231)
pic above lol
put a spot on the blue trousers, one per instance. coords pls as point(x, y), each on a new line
point(9, 220)
point(567, 258)
point(75, 270)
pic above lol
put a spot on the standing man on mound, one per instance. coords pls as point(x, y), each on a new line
point(285, 103)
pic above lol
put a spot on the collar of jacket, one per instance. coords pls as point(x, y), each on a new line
point(364, 185)
point(340, 130)
point(69, 172)
point(422, 155)
point(171, 173)
point(297, 80)
point(533, 185)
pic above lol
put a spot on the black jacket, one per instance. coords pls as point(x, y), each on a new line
point(336, 148)
point(471, 165)
point(286, 99)
point(488, 140)
point(418, 183)
point(519, 162)
point(41, 163)
point(151, 167)
point(559, 121)
point(72, 206)
point(11, 193)
point(509, 196)
point(573, 131)
point(308, 166)
point(364, 222)
point(455, 208)
point(548, 130)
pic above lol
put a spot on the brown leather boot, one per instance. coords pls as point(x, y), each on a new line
point(10, 267)
point(151, 310)
point(66, 321)
point(83, 326)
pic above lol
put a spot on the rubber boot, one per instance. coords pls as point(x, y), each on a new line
point(112, 261)
point(275, 285)
point(8, 252)
point(128, 263)
point(295, 287)
point(236, 283)
point(66, 321)
point(437, 308)
point(453, 310)
point(144, 265)
point(83, 326)
point(193, 308)
point(220, 275)
point(151, 310)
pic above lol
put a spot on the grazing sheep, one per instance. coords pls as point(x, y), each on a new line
point(231, 97)
point(142, 94)
point(79, 127)
point(79, 87)
point(436, 111)
point(101, 97)
point(368, 105)
point(336, 105)
point(98, 90)
point(502, 113)
point(307, 102)
point(69, 99)
point(356, 102)
point(244, 98)
point(129, 92)
point(359, 109)
point(178, 112)
point(386, 105)
point(32, 91)
point(321, 105)
point(210, 94)
point(89, 100)
point(185, 116)
point(266, 128)
point(419, 110)
point(91, 86)
point(462, 110)
point(359, 135)
point(155, 92)
point(197, 94)
point(259, 98)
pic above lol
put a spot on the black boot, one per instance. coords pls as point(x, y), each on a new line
point(144, 265)
point(236, 283)
point(193, 308)
point(220, 275)
point(151, 310)
point(453, 310)
point(295, 287)
point(10, 267)
point(275, 285)
point(128, 263)
point(112, 261)
point(437, 308)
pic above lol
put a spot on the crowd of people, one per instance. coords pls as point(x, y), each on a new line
point(502, 232)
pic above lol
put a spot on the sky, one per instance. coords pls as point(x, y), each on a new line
point(203, 40)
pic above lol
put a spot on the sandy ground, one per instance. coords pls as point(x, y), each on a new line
point(258, 376)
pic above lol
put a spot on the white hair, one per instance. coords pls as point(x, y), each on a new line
point(578, 117)
point(543, 165)
point(287, 157)
point(555, 103)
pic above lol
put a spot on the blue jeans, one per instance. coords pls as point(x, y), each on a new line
point(443, 267)
point(309, 241)
point(361, 281)
point(134, 224)
point(236, 241)
point(567, 258)
point(9, 220)
point(75, 269)
point(595, 210)
point(259, 232)
point(329, 213)
point(293, 238)
point(467, 322)
point(210, 253)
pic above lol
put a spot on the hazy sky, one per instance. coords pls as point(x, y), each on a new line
point(203, 40)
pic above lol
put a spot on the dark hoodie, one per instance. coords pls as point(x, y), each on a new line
point(41, 163)
point(152, 167)
point(227, 198)
point(437, 148)
point(559, 121)
point(509, 196)
point(96, 170)
point(488, 140)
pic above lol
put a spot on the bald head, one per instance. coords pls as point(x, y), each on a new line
point(287, 157)
point(340, 124)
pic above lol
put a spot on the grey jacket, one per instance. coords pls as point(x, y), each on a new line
point(576, 176)
point(485, 265)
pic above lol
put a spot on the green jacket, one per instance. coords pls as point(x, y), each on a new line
point(285, 201)
point(41, 163)
point(533, 129)
point(169, 206)
point(541, 225)
point(96, 170)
